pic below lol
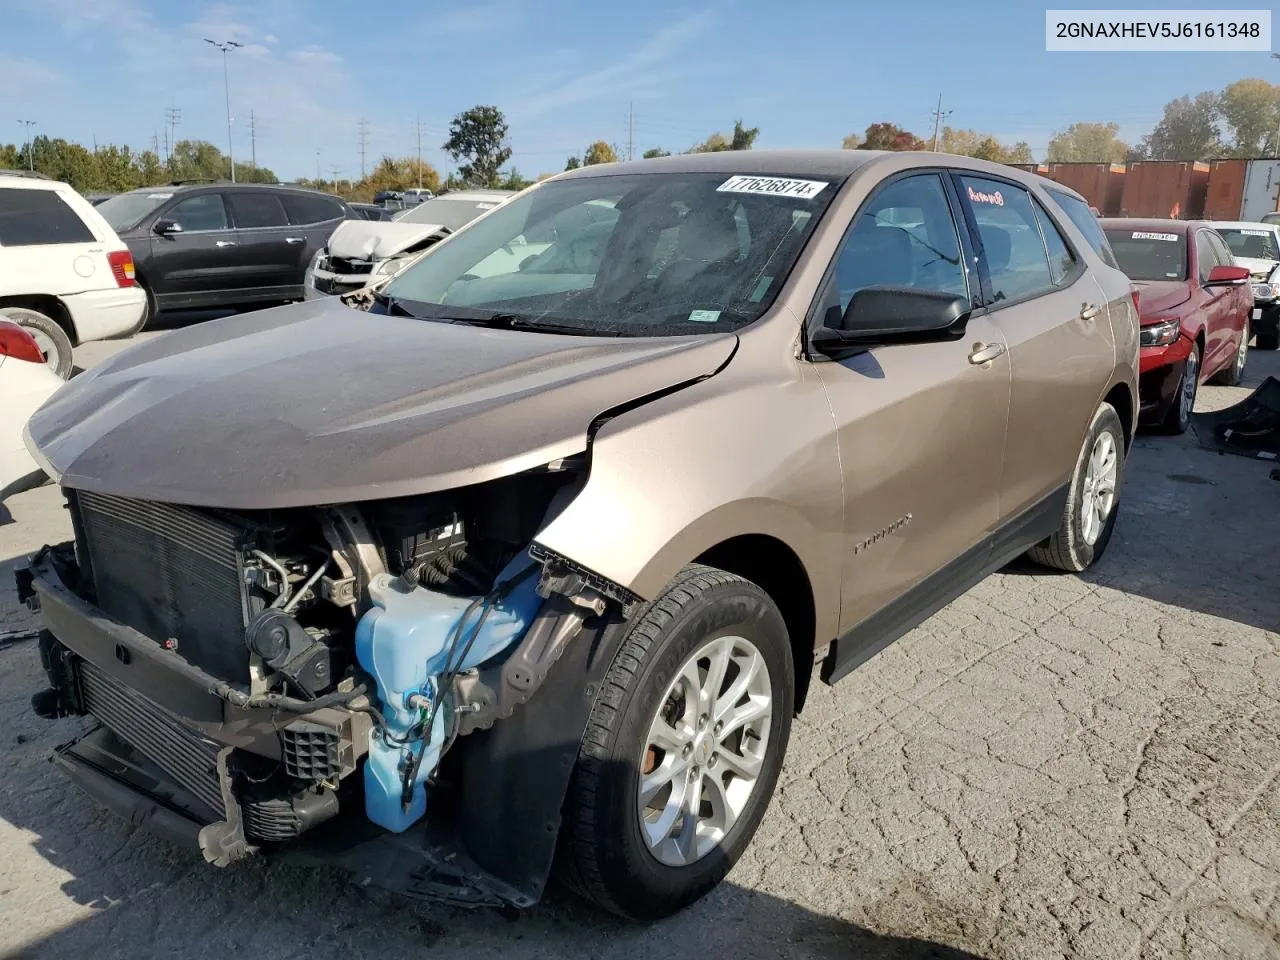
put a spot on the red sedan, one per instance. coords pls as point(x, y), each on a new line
point(1194, 304)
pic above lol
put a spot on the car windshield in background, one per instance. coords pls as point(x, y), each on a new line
point(127, 210)
point(649, 254)
point(451, 213)
point(1150, 254)
point(1254, 244)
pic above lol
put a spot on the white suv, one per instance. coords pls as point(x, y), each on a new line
point(64, 273)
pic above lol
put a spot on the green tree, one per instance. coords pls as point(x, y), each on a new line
point(599, 152)
point(851, 142)
point(573, 163)
point(1250, 109)
point(512, 180)
point(655, 152)
point(715, 143)
point(742, 137)
point(479, 136)
point(1088, 143)
point(1187, 131)
point(889, 136)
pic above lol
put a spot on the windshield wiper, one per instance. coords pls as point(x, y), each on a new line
point(523, 321)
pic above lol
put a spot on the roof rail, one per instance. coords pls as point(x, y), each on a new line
point(183, 183)
point(33, 174)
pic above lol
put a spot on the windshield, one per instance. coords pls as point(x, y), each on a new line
point(625, 255)
point(1150, 254)
point(1257, 244)
point(128, 209)
point(448, 212)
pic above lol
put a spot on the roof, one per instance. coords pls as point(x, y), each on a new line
point(1243, 225)
point(1164, 225)
point(225, 185)
point(29, 180)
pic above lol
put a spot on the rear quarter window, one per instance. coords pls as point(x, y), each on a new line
point(1078, 213)
point(30, 218)
point(304, 209)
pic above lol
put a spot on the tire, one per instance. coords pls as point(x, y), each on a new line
point(148, 314)
point(1233, 373)
point(53, 340)
point(605, 854)
point(1178, 419)
point(1072, 547)
point(1267, 341)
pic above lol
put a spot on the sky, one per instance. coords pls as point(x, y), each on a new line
point(565, 73)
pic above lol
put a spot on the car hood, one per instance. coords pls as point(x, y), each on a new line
point(1258, 268)
point(1156, 297)
point(377, 239)
point(317, 404)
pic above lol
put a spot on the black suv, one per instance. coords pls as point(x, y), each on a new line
point(223, 244)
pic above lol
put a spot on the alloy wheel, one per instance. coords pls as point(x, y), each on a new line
point(48, 349)
point(1190, 382)
point(705, 750)
point(1099, 493)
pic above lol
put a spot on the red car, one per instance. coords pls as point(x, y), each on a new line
point(1194, 304)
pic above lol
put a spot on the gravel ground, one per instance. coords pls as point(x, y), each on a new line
point(1053, 766)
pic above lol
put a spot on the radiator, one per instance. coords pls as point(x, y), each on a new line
point(172, 573)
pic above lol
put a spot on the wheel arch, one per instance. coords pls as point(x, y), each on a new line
point(48, 304)
point(1121, 398)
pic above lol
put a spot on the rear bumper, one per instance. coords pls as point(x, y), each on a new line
point(103, 314)
point(1159, 373)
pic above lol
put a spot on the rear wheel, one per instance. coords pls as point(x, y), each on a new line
point(48, 335)
point(1092, 499)
point(683, 748)
point(1178, 418)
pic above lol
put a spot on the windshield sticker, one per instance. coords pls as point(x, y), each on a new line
point(704, 316)
point(773, 186)
point(159, 196)
point(761, 288)
point(1171, 237)
point(1256, 233)
point(977, 196)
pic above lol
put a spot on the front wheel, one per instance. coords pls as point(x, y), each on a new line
point(1093, 499)
point(1178, 419)
point(683, 748)
point(1232, 375)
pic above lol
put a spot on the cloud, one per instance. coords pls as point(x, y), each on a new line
point(633, 74)
point(478, 18)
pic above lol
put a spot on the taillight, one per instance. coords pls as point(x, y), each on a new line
point(122, 266)
point(17, 343)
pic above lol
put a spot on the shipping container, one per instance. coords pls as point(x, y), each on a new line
point(1102, 184)
point(1242, 189)
point(1029, 167)
point(1165, 188)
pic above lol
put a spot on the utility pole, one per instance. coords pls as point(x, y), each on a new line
point(253, 143)
point(363, 127)
point(335, 170)
point(631, 131)
point(1276, 151)
point(226, 46)
point(419, 130)
point(938, 117)
point(319, 177)
point(172, 115)
point(155, 142)
point(31, 143)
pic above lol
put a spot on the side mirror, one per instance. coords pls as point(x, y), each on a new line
point(166, 227)
point(1221, 276)
point(884, 315)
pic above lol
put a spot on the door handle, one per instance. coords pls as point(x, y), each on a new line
point(1088, 311)
point(295, 239)
point(985, 352)
point(226, 243)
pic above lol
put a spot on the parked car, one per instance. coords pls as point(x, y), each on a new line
point(369, 211)
point(415, 195)
point(223, 244)
point(358, 254)
point(97, 198)
point(1257, 246)
point(1271, 217)
point(566, 546)
point(25, 383)
point(1195, 305)
point(64, 273)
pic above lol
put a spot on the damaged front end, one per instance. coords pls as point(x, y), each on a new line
point(350, 683)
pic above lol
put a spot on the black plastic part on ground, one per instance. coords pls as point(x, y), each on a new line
point(1251, 428)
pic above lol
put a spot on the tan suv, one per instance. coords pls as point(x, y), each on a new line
point(531, 564)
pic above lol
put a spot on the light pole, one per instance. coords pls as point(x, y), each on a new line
point(1276, 151)
point(31, 145)
point(226, 46)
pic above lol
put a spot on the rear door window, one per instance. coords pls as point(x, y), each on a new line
point(304, 209)
point(1014, 250)
point(31, 218)
point(1078, 213)
point(254, 209)
point(203, 212)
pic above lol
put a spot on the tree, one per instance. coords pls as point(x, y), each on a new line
point(479, 136)
point(655, 152)
point(1088, 143)
point(1187, 131)
point(715, 143)
point(742, 137)
point(573, 163)
point(851, 142)
point(1250, 108)
point(599, 152)
point(889, 136)
point(512, 180)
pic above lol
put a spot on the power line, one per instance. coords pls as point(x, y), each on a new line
point(363, 126)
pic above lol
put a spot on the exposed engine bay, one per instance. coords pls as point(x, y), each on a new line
point(349, 648)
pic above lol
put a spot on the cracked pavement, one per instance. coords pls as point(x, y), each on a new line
point(1052, 766)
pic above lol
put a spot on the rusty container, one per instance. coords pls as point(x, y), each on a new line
point(1102, 184)
point(1242, 189)
point(1165, 188)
